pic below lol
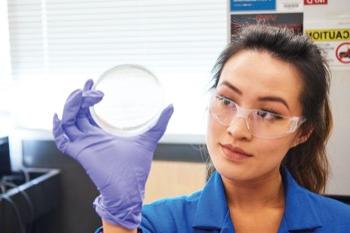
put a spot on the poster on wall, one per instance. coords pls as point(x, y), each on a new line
point(293, 21)
point(333, 37)
point(252, 5)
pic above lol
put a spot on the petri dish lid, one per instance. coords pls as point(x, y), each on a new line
point(133, 100)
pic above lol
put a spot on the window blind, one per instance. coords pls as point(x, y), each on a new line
point(56, 45)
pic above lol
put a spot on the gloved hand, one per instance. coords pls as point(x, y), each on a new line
point(118, 166)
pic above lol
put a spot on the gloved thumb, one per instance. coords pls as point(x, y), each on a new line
point(157, 131)
point(91, 97)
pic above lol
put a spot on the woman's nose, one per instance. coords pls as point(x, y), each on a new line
point(238, 128)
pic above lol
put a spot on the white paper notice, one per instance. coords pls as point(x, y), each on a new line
point(290, 5)
point(333, 37)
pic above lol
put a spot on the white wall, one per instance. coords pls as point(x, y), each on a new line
point(338, 147)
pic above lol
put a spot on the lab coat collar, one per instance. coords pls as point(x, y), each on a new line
point(212, 212)
point(300, 212)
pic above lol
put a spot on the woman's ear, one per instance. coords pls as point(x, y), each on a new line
point(302, 136)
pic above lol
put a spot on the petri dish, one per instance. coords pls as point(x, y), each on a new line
point(133, 100)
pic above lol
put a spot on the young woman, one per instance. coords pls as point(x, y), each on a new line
point(269, 121)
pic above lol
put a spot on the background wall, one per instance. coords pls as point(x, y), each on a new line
point(338, 146)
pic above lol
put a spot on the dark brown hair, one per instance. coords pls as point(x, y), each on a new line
point(307, 162)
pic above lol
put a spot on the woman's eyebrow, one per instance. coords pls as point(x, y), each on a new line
point(264, 98)
point(274, 99)
point(232, 87)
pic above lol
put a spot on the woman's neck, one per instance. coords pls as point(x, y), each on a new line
point(263, 192)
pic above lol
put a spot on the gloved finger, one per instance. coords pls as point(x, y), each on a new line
point(72, 131)
point(71, 108)
point(62, 143)
point(85, 113)
point(88, 85)
point(61, 139)
point(57, 128)
point(69, 116)
point(91, 120)
point(85, 126)
point(157, 131)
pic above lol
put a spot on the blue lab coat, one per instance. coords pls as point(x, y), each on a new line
point(206, 211)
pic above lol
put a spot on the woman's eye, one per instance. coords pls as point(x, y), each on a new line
point(223, 100)
point(267, 115)
point(226, 101)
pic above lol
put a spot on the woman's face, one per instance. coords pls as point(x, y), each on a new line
point(254, 80)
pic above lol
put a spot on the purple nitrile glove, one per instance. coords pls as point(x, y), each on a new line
point(118, 166)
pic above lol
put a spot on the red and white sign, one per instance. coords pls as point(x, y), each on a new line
point(343, 52)
point(315, 2)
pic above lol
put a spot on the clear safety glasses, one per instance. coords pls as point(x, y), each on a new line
point(260, 123)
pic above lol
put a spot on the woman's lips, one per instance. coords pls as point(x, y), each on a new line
point(234, 153)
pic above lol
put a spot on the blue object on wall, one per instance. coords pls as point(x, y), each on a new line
point(252, 5)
